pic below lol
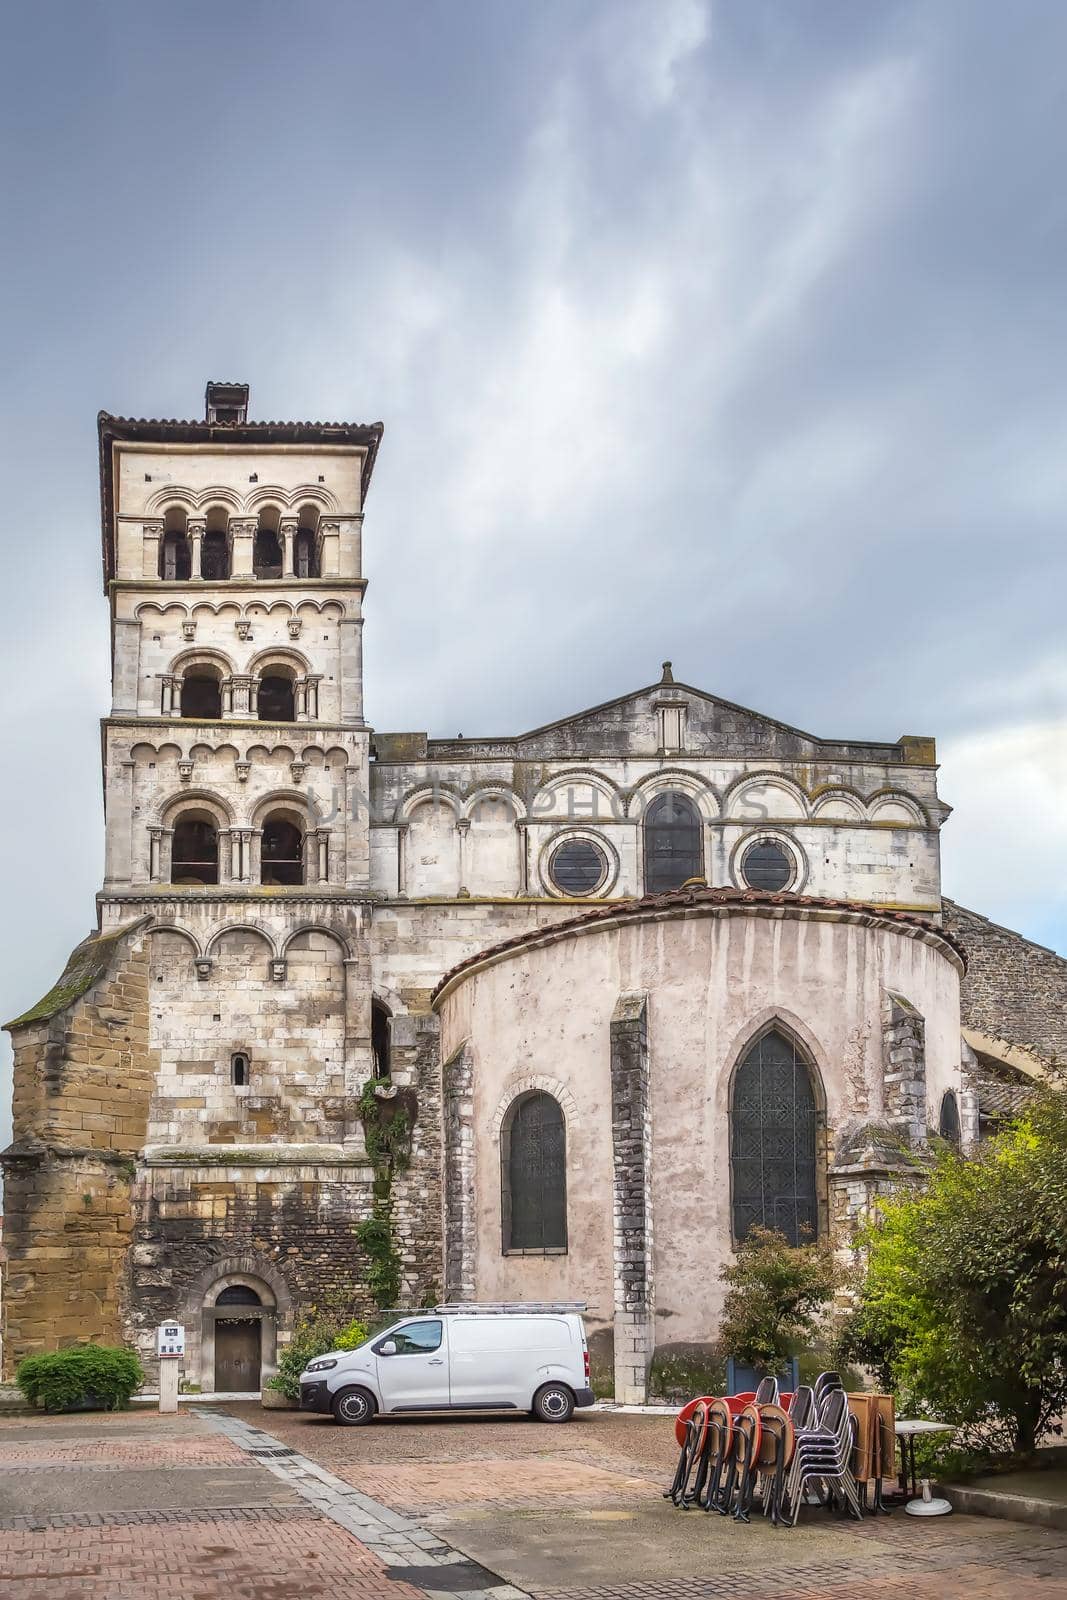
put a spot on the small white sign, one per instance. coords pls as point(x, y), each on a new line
point(170, 1339)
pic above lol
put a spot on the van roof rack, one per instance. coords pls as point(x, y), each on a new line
point(509, 1307)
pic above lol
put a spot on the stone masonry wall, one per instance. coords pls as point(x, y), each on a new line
point(83, 1079)
point(632, 1197)
point(1015, 992)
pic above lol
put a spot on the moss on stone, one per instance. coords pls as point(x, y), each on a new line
point(87, 963)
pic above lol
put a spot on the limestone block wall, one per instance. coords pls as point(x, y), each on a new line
point(237, 775)
point(486, 826)
point(292, 1030)
point(84, 1070)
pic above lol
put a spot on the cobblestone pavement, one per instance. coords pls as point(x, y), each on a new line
point(139, 1507)
point(576, 1513)
point(274, 1506)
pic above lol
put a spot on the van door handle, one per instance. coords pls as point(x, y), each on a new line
point(436, 1361)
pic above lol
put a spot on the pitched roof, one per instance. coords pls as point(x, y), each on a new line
point(111, 429)
point(633, 910)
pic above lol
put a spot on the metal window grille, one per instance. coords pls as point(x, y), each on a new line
point(533, 1171)
point(773, 1131)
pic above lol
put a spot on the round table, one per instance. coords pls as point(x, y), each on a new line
point(907, 1430)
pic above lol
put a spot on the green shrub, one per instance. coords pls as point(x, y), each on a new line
point(775, 1296)
point(962, 1308)
point(97, 1376)
point(314, 1335)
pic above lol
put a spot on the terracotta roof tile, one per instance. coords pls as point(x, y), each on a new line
point(680, 899)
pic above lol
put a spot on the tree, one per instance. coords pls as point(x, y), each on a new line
point(776, 1292)
point(963, 1307)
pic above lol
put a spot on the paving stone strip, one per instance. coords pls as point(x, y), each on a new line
point(411, 1554)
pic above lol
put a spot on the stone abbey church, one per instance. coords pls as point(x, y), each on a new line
point(639, 979)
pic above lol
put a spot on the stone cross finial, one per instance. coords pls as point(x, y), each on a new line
point(668, 675)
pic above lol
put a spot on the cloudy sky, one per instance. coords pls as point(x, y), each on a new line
point(726, 330)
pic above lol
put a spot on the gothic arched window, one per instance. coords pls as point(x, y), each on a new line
point(282, 853)
point(673, 850)
point(533, 1175)
point(773, 1141)
point(195, 850)
point(949, 1120)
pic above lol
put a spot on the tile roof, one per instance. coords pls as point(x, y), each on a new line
point(683, 899)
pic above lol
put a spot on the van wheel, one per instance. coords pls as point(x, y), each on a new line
point(353, 1408)
point(553, 1402)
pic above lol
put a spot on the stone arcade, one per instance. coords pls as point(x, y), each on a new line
point(645, 976)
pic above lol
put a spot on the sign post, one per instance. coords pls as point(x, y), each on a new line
point(170, 1348)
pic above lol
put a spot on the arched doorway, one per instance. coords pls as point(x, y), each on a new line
point(239, 1335)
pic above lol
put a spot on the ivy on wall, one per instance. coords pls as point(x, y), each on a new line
point(388, 1115)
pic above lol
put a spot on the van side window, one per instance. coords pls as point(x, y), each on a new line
point(417, 1338)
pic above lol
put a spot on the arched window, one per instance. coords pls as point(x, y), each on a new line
point(240, 1069)
point(267, 553)
point(175, 560)
point(949, 1120)
point(533, 1175)
point(215, 555)
point(379, 1038)
point(773, 1139)
point(238, 1294)
point(201, 693)
point(195, 851)
point(673, 850)
point(282, 853)
point(277, 696)
point(305, 563)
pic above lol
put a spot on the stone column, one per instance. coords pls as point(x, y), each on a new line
point(459, 1197)
point(300, 699)
point(255, 870)
point(239, 854)
point(463, 828)
point(170, 703)
point(196, 530)
point(155, 854)
point(904, 1068)
point(288, 538)
point(313, 680)
point(243, 533)
point(244, 690)
point(166, 855)
point(631, 1139)
point(153, 533)
point(402, 857)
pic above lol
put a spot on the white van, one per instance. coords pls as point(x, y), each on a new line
point(462, 1358)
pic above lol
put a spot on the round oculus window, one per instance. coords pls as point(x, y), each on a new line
point(767, 865)
point(578, 867)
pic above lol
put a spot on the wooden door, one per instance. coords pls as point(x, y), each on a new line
point(237, 1356)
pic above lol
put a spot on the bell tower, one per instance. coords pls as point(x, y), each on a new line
point(236, 761)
